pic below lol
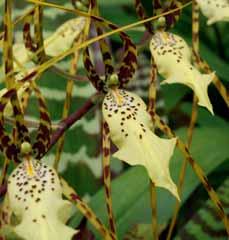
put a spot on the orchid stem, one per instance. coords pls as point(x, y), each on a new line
point(199, 61)
point(152, 111)
point(154, 210)
point(71, 195)
point(70, 120)
point(183, 168)
point(67, 102)
point(195, 47)
point(8, 64)
point(107, 176)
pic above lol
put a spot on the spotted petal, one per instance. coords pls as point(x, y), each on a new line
point(63, 38)
point(35, 197)
point(173, 59)
point(130, 130)
point(215, 10)
point(60, 41)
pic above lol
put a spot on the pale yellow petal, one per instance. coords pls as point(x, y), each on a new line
point(60, 41)
point(130, 130)
point(154, 154)
point(215, 10)
point(198, 83)
point(35, 197)
point(173, 59)
point(63, 38)
point(20, 53)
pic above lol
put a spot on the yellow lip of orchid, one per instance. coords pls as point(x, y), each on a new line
point(130, 130)
point(36, 199)
point(215, 10)
point(173, 60)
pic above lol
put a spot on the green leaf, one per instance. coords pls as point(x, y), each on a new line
point(140, 232)
point(173, 94)
point(205, 224)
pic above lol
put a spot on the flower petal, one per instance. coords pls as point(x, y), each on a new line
point(63, 38)
point(173, 59)
point(35, 197)
point(214, 10)
point(130, 130)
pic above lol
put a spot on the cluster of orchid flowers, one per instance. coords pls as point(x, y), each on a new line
point(34, 194)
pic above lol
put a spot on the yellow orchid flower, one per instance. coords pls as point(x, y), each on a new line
point(60, 41)
point(214, 10)
point(63, 38)
point(35, 197)
point(173, 59)
point(130, 130)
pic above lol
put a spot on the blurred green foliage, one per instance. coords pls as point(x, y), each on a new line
point(81, 159)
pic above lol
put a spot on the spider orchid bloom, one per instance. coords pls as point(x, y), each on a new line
point(60, 41)
point(35, 197)
point(63, 38)
point(130, 130)
point(173, 59)
point(214, 10)
point(8, 111)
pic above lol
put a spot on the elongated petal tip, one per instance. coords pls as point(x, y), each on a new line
point(196, 81)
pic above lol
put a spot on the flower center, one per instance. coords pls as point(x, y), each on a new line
point(119, 99)
point(29, 167)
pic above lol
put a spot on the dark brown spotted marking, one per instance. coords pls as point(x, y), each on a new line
point(128, 64)
point(142, 15)
point(27, 37)
point(8, 44)
point(89, 214)
point(44, 130)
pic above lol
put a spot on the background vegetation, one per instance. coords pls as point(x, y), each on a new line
point(81, 160)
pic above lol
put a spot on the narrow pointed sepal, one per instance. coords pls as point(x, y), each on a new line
point(130, 130)
point(173, 59)
point(215, 10)
point(198, 83)
point(35, 197)
point(8, 111)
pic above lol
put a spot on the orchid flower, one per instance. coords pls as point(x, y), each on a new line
point(35, 197)
point(60, 41)
point(214, 10)
point(173, 59)
point(131, 131)
point(63, 38)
